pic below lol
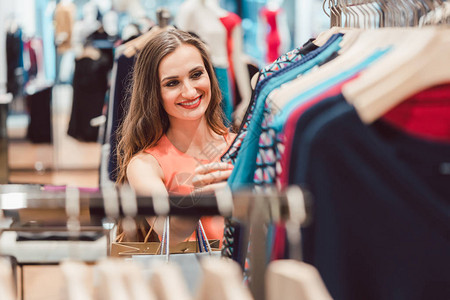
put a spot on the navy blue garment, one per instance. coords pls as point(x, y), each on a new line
point(122, 82)
point(380, 227)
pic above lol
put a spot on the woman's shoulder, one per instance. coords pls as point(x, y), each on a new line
point(144, 162)
point(144, 174)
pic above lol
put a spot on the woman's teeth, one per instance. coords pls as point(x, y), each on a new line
point(191, 102)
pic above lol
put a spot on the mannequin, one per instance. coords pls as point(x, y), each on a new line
point(221, 30)
point(131, 7)
point(84, 27)
point(110, 22)
point(274, 27)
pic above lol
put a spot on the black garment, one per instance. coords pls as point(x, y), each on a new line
point(121, 84)
point(105, 43)
point(381, 225)
point(39, 107)
point(14, 71)
point(89, 89)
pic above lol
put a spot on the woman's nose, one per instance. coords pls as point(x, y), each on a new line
point(188, 90)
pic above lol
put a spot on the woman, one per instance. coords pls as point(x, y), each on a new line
point(173, 135)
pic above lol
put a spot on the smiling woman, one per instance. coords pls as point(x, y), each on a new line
point(185, 88)
point(173, 134)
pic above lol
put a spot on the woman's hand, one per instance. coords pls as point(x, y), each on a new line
point(211, 176)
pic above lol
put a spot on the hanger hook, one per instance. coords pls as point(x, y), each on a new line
point(323, 8)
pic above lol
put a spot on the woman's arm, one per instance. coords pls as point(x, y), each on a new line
point(145, 176)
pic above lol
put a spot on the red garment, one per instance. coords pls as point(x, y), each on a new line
point(230, 21)
point(425, 115)
point(279, 242)
point(273, 39)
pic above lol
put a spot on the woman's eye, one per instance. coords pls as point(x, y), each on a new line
point(172, 83)
point(197, 74)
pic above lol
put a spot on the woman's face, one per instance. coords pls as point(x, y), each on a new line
point(185, 84)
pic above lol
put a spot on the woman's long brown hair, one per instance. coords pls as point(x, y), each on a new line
point(146, 120)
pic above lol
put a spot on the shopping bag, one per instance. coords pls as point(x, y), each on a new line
point(128, 249)
point(186, 256)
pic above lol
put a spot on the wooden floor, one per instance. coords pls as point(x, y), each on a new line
point(66, 161)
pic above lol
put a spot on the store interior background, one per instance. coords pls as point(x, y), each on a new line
point(66, 160)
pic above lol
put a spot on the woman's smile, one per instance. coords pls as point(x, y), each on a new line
point(191, 104)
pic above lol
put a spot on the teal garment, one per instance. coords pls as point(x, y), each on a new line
point(243, 172)
point(280, 119)
point(225, 87)
point(45, 31)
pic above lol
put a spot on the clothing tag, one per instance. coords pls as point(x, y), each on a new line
point(444, 168)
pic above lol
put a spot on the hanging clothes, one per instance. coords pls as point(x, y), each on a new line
point(273, 40)
point(232, 243)
point(117, 105)
point(283, 61)
point(230, 21)
point(223, 78)
point(245, 166)
point(372, 185)
point(63, 20)
point(90, 84)
point(39, 107)
point(284, 122)
point(14, 61)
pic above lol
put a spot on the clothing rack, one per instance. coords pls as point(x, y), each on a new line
point(379, 13)
point(82, 210)
point(111, 202)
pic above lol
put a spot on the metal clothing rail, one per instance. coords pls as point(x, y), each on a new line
point(78, 210)
point(24, 203)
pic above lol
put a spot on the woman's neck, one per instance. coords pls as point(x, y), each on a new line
point(191, 138)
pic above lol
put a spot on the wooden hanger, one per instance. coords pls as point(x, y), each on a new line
point(324, 36)
point(168, 283)
point(112, 284)
point(7, 291)
point(357, 45)
point(291, 279)
point(222, 280)
point(422, 63)
point(321, 39)
point(78, 280)
point(137, 285)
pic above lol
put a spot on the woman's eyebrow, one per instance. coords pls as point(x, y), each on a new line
point(168, 78)
point(196, 68)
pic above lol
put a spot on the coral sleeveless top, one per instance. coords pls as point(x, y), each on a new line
point(178, 167)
